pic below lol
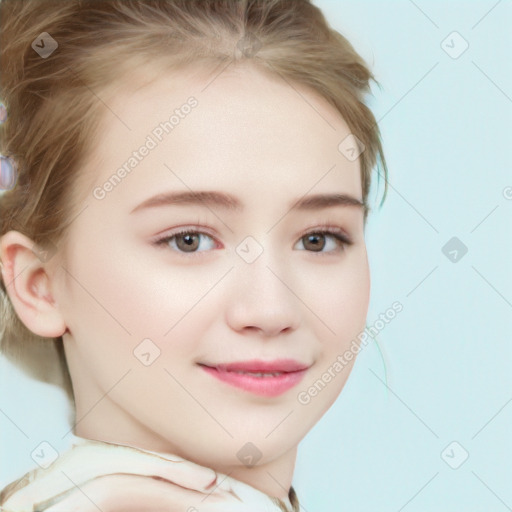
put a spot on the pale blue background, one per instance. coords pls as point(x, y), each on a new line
point(446, 126)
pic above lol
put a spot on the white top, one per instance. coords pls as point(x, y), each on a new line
point(43, 487)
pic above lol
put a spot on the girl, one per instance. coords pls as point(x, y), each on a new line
point(187, 229)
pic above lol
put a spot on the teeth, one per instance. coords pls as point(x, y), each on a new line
point(259, 374)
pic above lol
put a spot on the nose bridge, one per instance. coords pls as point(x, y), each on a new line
point(259, 265)
point(260, 297)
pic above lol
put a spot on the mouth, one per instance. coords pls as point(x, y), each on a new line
point(265, 378)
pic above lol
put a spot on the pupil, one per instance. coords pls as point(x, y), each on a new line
point(187, 241)
point(314, 239)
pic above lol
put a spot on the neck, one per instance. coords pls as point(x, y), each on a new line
point(273, 478)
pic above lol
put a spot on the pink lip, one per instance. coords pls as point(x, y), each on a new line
point(291, 371)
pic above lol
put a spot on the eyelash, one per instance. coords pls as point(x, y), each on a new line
point(335, 232)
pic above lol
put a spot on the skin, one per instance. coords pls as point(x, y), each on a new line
point(109, 287)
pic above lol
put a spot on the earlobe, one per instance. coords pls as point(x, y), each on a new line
point(29, 285)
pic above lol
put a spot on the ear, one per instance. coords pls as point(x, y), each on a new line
point(28, 283)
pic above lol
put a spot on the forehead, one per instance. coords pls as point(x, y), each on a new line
point(247, 131)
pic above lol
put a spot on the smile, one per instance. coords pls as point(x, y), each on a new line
point(262, 378)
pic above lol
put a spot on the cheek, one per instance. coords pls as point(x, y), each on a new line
point(340, 300)
point(342, 305)
point(120, 301)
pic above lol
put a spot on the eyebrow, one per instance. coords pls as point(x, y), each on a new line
point(231, 203)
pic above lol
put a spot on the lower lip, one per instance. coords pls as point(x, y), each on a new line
point(264, 386)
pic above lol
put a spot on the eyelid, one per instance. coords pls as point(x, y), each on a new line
point(198, 227)
point(333, 226)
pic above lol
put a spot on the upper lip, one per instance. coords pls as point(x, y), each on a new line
point(257, 365)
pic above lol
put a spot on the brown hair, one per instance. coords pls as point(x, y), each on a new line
point(55, 103)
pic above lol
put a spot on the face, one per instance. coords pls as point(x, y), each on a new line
point(196, 326)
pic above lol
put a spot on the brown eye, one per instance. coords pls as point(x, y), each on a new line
point(187, 242)
point(314, 242)
point(332, 239)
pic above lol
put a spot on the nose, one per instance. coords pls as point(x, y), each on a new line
point(262, 298)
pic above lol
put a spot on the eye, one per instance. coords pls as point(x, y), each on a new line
point(189, 241)
point(186, 241)
point(315, 241)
